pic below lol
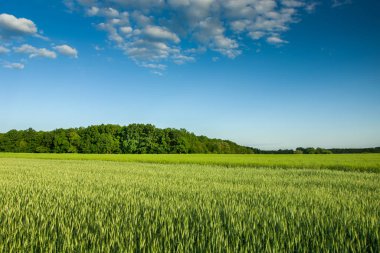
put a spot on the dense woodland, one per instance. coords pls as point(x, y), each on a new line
point(135, 139)
point(115, 139)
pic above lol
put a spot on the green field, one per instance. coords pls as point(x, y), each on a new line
point(345, 162)
point(189, 203)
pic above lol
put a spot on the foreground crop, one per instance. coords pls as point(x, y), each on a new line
point(97, 206)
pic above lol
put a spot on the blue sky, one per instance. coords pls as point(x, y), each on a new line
point(263, 73)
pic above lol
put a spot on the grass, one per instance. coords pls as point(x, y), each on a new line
point(49, 205)
point(344, 162)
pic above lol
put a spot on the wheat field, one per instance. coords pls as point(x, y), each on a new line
point(49, 205)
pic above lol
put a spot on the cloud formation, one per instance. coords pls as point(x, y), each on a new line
point(10, 26)
point(14, 31)
point(35, 52)
point(276, 40)
point(158, 31)
point(67, 50)
point(13, 65)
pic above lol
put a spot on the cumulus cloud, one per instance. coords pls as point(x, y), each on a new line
point(105, 12)
point(35, 52)
point(13, 65)
point(126, 30)
point(152, 31)
point(160, 33)
point(67, 50)
point(15, 30)
point(211, 33)
point(10, 26)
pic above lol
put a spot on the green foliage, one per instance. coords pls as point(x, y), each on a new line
point(136, 139)
point(312, 151)
point(114, 139)
point(97, 206)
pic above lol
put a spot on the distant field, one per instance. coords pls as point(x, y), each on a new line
point(101, 206)
point(345, 162)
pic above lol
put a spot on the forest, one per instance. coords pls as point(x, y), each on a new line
point(115, 139)
point(136, 139)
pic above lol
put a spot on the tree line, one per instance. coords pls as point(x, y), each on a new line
point(136, 139)
point(311, 150)
point(115, 139)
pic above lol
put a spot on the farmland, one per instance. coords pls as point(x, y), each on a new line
point(189, 203)
point(344, 162)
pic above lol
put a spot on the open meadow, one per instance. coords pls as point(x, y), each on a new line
point(189, 203)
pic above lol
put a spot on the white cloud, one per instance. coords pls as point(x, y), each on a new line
point(293, 3)
point(154, 66)
point(146, 50)
point(104, 12)
point(35, 52)
point(126, 30)
point(276, 40)
point(13, 65)
point(14, 30)
point(211, 33)
point(179, 58)
point(93, 11)
point(10, 26)
point(67, 50)
point(153, 31)
point(337, 3)
point(3, 50)
point(160, 33)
